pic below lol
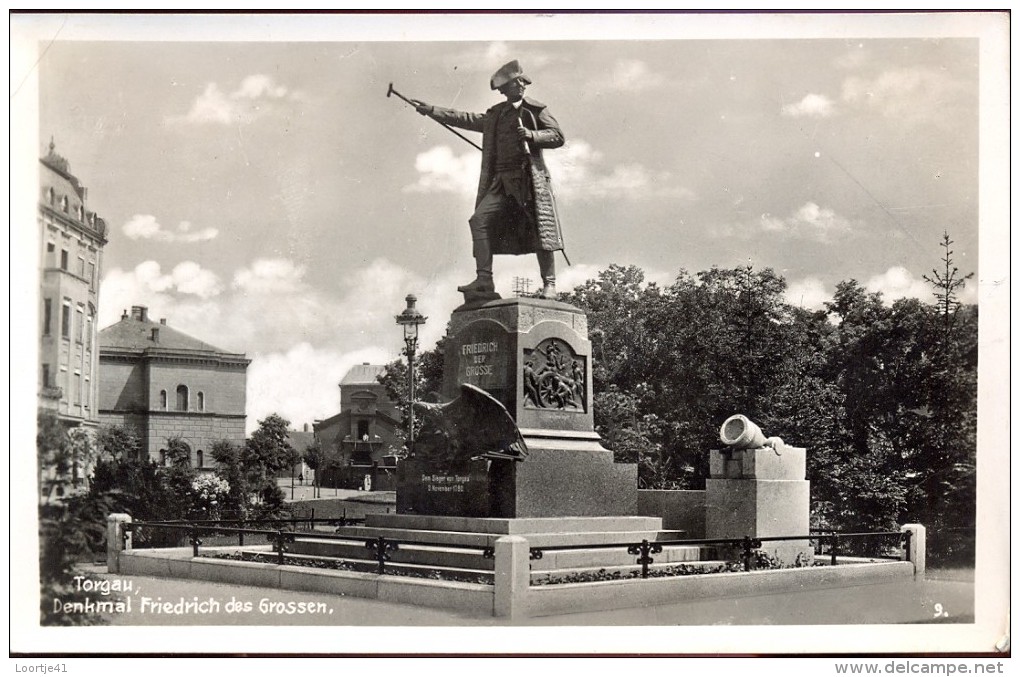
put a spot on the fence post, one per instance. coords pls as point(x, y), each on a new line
point(916, 546)
point(512, 577)
point(117, 540)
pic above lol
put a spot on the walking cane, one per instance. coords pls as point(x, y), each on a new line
point(411, 103)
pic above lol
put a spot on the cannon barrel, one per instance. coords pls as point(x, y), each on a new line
point(740, 432)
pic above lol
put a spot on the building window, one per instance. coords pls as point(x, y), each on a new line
point(80, 326)
point(162, 457)
point(362, 430)
point(92, 275)
point(88, 333)
point(201, 401)
point(162, 400)
point(76, 388)
point(200, 458)
point(46, 375)
point(65, 320)
point(63, 259)
point(182, 398)
point(51, 254)
point(81, 266)
point(47, 312)
point(63, 204)
point(88, 392)
point(52, 194)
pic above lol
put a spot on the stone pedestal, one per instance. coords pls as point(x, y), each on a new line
point(759, 492)
point(533, 355)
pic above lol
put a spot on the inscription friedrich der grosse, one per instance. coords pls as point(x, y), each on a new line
point(479, 353)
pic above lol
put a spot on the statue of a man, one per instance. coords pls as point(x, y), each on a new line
point(515, 212)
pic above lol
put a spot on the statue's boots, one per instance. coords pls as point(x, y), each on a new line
point(483, 269)
point(547, 268)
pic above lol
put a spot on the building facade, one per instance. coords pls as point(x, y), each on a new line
point(164, 384)
point(365, 435)
point(72, 238)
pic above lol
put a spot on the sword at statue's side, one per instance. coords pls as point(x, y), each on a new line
point(415, 106)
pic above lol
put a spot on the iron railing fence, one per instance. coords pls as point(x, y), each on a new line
point(381, 547)
point(747, 545)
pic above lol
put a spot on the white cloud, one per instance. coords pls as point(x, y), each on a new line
point(147, 285)
point(812, 105)
point(311, 376)
point(633, 75)
point(270, 276)
point(252, 98)
point(580, 171)
point(898, 283)
point(810, 221)
point(440, 171)
point(909, 93)
point(577, 169)
point(808, 293)
point(146, 227)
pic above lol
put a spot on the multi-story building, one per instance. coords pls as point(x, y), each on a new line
point(72, 238)
point(365, 434)
point(164, 384)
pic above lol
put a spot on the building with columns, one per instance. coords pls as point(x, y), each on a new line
point(71, 241)
point(162, 383)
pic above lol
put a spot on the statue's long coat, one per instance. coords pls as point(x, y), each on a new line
point(518, 236)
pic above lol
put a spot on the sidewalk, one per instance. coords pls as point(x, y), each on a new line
point(865, 604)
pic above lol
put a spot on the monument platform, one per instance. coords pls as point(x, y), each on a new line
point(438, 542)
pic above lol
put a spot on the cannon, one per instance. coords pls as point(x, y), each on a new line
point(740, 432)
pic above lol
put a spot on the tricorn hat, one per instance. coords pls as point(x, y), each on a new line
point(507, 73)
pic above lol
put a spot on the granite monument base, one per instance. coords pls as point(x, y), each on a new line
point(565, 477)
point(757, 493)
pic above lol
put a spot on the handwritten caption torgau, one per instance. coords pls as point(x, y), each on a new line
point(120, 596)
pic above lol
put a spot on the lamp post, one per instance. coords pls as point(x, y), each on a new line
point(410, 319)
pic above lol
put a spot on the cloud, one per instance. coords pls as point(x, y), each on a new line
point(631, 75)
point(312, 375)
point(898, 283)
point(812, 105)
point(270, 276)
point(810, 222)
point(910, 93)
point(807, 293)
point(440, 171)
point(580, 171)
point(146, 227)
point(147, 285)
point(577, 169)
point(253, 97)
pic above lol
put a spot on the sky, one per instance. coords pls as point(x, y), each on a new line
point(267, 197)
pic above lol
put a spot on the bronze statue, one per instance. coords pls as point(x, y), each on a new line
point(474, 426)
point(515, 211)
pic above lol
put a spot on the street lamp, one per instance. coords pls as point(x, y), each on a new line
point(410, 319)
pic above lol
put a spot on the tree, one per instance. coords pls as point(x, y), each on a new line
point(428, 373)
point(230, 468)
point(266, 453)
point(117, 442)
point(318, 459)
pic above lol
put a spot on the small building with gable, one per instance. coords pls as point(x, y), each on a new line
point(365, 435)
point(162, 383)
